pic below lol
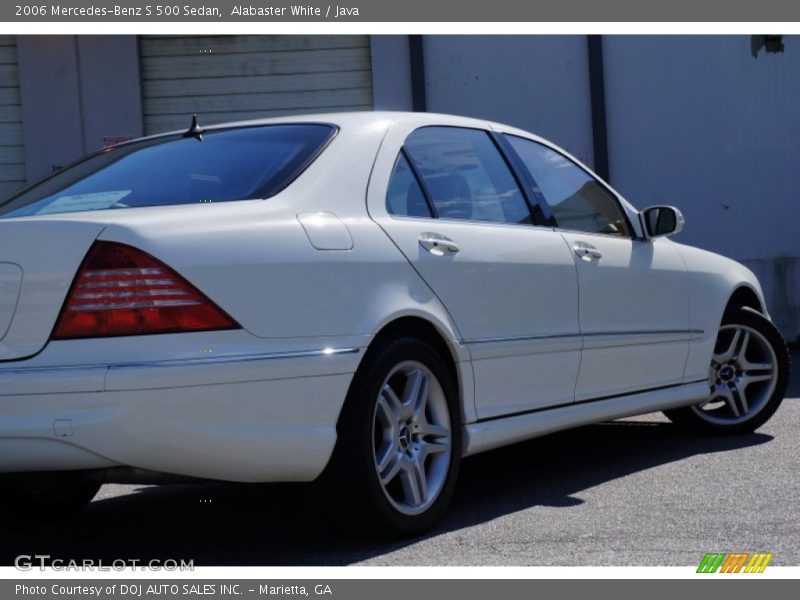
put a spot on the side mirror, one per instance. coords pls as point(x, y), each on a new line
point(659, 221)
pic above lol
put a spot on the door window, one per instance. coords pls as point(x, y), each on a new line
point(577, 199)
point(465, 177)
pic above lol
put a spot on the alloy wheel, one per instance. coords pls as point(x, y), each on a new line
point(742, 376)
point(412, 438)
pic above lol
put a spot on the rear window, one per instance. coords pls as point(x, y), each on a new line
point(226, 164)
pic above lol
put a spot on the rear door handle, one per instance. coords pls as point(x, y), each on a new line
point(438, 244)
point(587, 251)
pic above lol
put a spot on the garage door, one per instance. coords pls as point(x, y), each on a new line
point(12, 151)
point(227, 78)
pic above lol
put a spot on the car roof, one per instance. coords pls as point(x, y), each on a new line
point(362, 118)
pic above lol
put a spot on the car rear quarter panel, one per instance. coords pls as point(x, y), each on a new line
point(258, 264)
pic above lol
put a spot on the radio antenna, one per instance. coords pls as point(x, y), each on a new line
point(194, 130)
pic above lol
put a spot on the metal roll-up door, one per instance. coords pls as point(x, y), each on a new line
point(230, 78)
point(12, 148)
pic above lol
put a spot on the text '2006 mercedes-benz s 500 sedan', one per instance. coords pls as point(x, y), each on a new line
point(356, 299)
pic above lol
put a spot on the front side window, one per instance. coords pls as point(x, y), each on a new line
point(577, 199)
point(226, 164)
point(465, 176)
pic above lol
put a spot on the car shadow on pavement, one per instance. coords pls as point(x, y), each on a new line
point(238, 524)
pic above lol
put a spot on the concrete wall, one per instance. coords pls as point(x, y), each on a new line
point(75, 91)
point(538, 83)
point(391, 72)
point(48, 82)
point(699, 122)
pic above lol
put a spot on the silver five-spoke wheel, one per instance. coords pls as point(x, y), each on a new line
point(412, 439)
point(742, 376)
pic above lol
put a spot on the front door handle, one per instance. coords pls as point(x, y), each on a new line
point(587, 251)
point(438, 244)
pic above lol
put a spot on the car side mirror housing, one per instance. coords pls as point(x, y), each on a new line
point(659, 221)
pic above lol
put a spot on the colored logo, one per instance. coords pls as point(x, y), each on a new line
point(735, 562)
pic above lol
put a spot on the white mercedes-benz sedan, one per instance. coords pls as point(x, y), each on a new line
point(355, 299)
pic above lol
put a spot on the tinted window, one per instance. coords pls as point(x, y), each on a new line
point(232, 164)
point(466, 176)
point(405, 196)
point(577, 199)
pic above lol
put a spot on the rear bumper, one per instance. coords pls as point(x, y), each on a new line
point(239, 417)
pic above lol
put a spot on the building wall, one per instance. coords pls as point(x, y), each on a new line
point(12, 142)
point(391, 72)
point(237, 78)
point(538, 83)
point(75, 91)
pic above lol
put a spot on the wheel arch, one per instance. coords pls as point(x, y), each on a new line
point(423, 329)
point(745, 296)
point(445, 346)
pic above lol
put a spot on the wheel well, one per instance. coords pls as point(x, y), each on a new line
point(746, 297)
point(424, 330)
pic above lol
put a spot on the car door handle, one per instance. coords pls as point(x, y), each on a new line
point(587, 251)
point(438, 244)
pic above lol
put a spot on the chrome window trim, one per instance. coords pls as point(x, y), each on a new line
point(612, 236)
point(470, 222)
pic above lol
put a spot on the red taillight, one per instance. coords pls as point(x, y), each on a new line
point(120, 290)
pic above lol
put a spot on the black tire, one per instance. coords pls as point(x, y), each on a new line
point(351, 494)
point(688, 418)
point(47, 495)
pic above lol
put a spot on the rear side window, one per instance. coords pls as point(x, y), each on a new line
point(227, 164)
point(465, 175)
point(577, 199)
point(405, 196)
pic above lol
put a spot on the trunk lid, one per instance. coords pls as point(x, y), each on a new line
point(10, 281)
point(38, 261)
